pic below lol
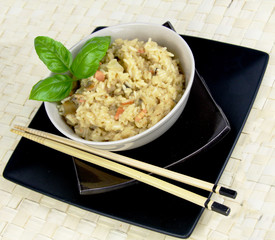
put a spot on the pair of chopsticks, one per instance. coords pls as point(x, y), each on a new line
point(98, 157)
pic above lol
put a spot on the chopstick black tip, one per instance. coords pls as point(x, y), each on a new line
point(220, 208)
point(228, 192)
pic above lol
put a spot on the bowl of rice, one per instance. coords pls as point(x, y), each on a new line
point(138, 92)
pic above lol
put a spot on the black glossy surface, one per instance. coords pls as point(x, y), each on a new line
point(233, 75)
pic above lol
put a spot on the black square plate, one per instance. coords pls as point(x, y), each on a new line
point(232, 73)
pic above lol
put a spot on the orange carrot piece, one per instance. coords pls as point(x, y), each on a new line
point(119, 111)
point(128, 103)
point(140, 115)
point(141, 50)
point(82, 100)
point(100, 76)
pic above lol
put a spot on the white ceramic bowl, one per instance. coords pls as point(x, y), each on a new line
point(164, 37)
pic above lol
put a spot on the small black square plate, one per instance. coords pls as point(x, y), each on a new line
point(201, 125)
point(232, 73)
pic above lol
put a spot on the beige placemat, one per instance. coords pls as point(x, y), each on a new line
point(25, 214)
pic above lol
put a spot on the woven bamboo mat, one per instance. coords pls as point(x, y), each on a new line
point(25, 214)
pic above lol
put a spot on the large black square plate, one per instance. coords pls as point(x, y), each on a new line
point(232, 73)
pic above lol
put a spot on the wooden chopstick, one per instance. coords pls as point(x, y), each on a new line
point(137, 164)
point(132, 173)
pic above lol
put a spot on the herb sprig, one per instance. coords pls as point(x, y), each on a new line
point(58, 60)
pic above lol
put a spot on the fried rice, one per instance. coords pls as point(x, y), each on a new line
point(137, 84)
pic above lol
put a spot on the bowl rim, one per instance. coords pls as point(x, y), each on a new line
point(160, 122)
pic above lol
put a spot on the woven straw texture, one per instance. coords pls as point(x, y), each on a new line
point(25, 214)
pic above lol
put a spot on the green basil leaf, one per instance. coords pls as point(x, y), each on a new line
point(53, 54)
point(87, 60)
point(52, 89)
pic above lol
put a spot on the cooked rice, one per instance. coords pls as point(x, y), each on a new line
point(142, 84)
